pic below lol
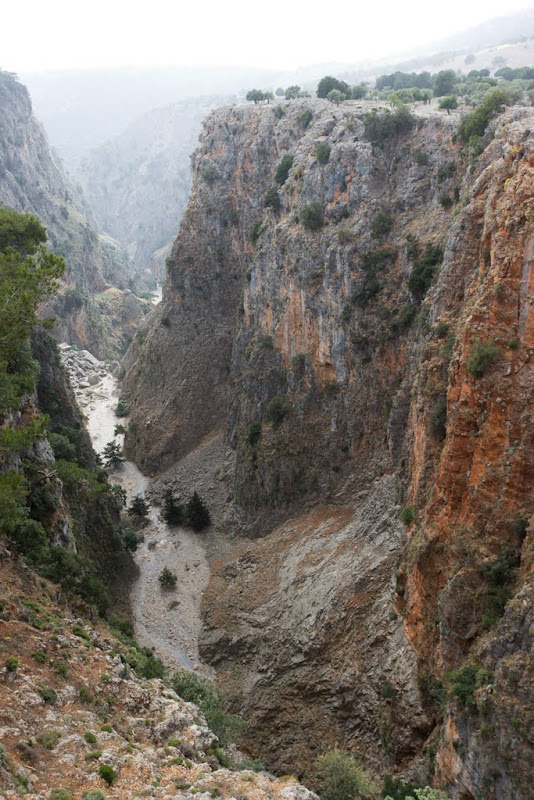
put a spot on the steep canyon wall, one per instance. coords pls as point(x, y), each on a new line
point(367, 354)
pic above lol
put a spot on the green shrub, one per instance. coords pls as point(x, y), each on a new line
point(432, 691)
point(345, 236)
point(370, 288)
point(81, 632)
point(282, 169)
point(446, 171)
point(85, 695)
point(396, 789)
point(121, 409)
point(151, 667)
point(311, 216)
point(381, 224)
point(167, 579)
point(44, 499)
point(130, 540)
point(94, 794)
point(387, 690)
point(499, 575)
point(107, 773)
point(464, 683)
point(298, 364)
point(276, 410)
point(425, 793)
point(106, 729)
point(59, 794)
point(49, 739)
point(272, 199)
point(30, 540)
point(265, 340)
point(60, 669)
point(441, 330)
point(481, 357)
point(195, 689)
point(40, 656)
point(12, 664)
point(62, 447)
point(520, 525)
point(90, 737)
point(49, 695)
point(254, 433)
point(209, 174)
point(381, 127)
point(255, 231)
point(474, 125)
point(341, 777)
point(421, 158)
point(408, 515)
point(424, 269)
point(322, 152)
point(403, 318)
point(446, 200)
point(305, 117)
point(437, 425)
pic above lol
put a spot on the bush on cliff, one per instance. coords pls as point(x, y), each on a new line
point(322, 152)
point(272, 199)
point(311, 216)
point(195, 689)
point(481, 356)
point(341, 777)
point(282, 170)
point(381, 127)
point(121, 409)
point(474, 125)
point(255, 231)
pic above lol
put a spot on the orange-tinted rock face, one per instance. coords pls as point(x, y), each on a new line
point(474, 507)
point(350, 378)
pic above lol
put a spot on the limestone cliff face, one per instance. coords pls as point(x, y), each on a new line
point(32, 181)
point(471, 545)
point(352, 369)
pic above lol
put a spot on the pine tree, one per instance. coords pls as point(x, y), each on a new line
point(112, 455)
point(173, 510)
point(167, 579)
point(139, 507)
point(197, 514)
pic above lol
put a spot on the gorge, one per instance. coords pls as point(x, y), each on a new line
point(340, 365)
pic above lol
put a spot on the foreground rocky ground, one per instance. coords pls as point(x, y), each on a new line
point(71, 705)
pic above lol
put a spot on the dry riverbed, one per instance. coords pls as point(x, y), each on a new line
point(169, 622)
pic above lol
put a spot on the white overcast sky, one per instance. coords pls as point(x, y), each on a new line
point(280, 34)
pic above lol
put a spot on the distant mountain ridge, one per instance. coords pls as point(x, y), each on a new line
point(33, 181)
point(137, 184)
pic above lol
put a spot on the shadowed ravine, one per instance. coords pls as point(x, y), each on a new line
point(168, 622)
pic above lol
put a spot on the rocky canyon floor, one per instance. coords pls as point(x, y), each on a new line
point(167, 621)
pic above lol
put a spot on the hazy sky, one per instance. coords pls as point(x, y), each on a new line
point(64, 34)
